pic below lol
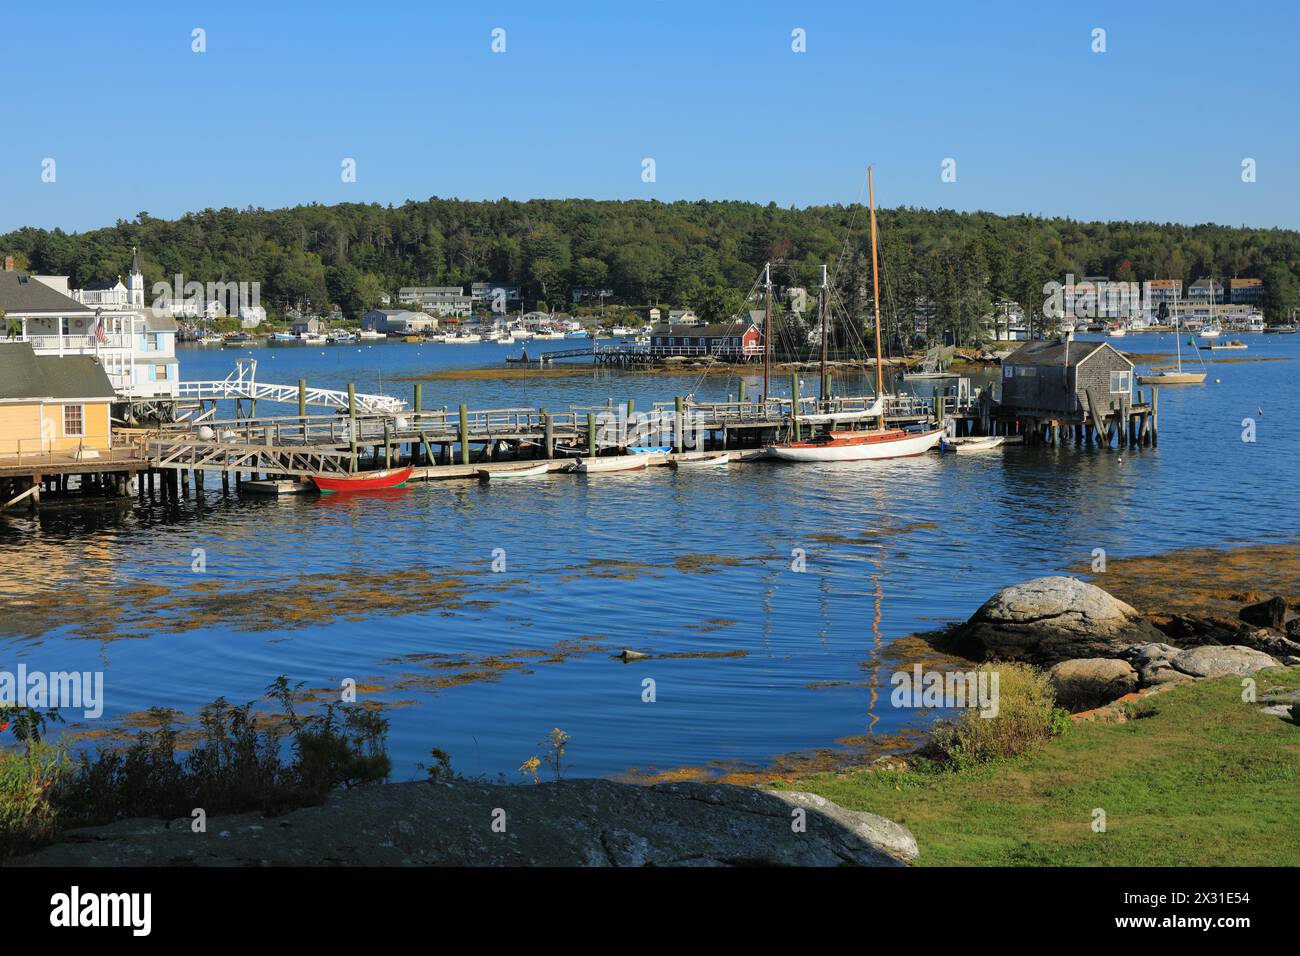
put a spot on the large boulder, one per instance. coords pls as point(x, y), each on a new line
point(1215, 660)
point(1086, 683)
point(471, 823)
point(1053, 619)
point(1270, 613)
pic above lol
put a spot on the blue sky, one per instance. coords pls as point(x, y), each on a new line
point(1155, 128)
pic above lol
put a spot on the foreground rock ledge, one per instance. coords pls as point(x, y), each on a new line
point(574, 823)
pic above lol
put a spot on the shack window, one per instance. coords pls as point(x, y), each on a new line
point(1121, 383)
point(74, 421)
point(160, 372)
point(1026, 371)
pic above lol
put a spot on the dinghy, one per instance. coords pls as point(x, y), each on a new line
point(701, 461)
point(593, 466)
point(364, 481)
point(532, 471)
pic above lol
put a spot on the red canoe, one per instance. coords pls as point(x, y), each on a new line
point(365, 481)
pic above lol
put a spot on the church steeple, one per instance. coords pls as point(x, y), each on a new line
point(135, 281)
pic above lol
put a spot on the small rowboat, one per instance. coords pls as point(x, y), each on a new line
point(592, 466)
point(365, 481)
point(532, 471)
point(979, 443)
point(649, 449)
point(703, 461)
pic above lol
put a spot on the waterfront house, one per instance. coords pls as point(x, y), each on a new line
point(1205, 290)
point(1245, 291)
point(401, 321)
point(307, 325)
point(438, 300)
point(53, 403)
point(738, 339)
point(487, 291)
point(42, 313)
point(1065, 380)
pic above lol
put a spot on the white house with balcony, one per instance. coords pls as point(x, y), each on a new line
point(135, 348)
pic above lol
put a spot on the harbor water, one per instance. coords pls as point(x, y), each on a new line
point(482, 616)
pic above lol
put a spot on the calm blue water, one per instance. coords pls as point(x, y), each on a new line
point(662, 562)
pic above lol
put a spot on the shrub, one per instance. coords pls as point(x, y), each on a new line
point(1026, 715)
point(28, 816)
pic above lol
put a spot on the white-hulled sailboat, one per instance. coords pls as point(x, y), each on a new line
point(877, 443)
point(1173, 375)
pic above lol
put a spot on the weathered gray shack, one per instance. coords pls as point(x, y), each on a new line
point(1067, 381)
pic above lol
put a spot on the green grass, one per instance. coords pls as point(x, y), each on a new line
point(1202, 779)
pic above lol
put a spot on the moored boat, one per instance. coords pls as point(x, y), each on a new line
point(701, 461)
point(364, 481)
point(591, 466)
point(866, 446)
point(532, 471)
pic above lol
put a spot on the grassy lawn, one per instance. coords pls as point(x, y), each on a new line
point(1203, 779)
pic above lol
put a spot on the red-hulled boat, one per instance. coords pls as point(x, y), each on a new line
point(365, 481)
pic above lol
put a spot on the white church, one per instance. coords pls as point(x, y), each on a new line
point(114, 296)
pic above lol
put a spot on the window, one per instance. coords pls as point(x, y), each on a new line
point(1121, 383)
point(74, 421)
point(151, 342)
point(1026, 371)
point(160, 372)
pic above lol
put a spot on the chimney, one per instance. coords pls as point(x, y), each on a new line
point(9, 263)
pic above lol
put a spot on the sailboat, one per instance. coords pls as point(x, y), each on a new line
point(1173, 375)
point(867, 445)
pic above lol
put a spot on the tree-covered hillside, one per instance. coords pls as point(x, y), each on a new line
point(676, 254)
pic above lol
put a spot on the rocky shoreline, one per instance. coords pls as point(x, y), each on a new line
point(1099, 650)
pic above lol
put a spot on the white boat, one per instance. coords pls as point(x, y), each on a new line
point(977, 443)
point(1211, 332)
point(871, 446)
point(1117, 332)
point(211, 338)
point(283, 337)
point(701, 461)
point(463, 339)
point(532, 471)
point(592, 466)
point(369, 335)
point(1174, 374)
point(311, 338)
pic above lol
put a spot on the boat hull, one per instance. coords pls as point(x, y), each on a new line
point(485, 474)
point(708, 461)
point(597, 466)
point(367, 481)
point(870, 448)
point(1173, 378)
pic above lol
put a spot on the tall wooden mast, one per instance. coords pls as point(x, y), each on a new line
point(767, 331)
point(875, 294)
point(823, 304)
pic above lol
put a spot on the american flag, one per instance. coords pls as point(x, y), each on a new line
point(99, 326)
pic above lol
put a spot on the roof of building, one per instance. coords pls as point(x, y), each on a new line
point(734, 327)
point(1053, 353)
point(1204, 284)
point(155, 322)
point(1245, 283)
point(22, 294)
point(24, 374)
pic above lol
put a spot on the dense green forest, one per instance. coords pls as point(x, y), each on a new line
point(682, 254)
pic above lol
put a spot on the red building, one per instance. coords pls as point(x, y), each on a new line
point(737, 339)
